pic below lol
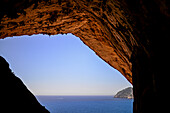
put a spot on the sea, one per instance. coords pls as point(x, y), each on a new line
point(86, 104)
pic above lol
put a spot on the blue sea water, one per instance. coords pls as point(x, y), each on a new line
point(86, 104)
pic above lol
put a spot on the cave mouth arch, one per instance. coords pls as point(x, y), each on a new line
point(102, 26)
point(67, 51)
point(121, 32)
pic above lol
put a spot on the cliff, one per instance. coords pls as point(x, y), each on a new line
point(125, 93)
point(15, 96)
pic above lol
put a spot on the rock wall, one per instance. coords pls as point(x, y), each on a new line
point(103, 26)
point(130, 35)
point(15, 97)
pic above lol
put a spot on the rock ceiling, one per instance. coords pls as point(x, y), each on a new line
point(104, 26)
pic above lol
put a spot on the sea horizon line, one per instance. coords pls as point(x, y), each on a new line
point(74, 95)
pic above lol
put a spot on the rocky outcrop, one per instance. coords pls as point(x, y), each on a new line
point(125, 93)
point(15, 97)
point(130, 35)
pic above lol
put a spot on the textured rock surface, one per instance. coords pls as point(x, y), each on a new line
point(15, 97)
point(125, 93)
point(103, 26)
point(130, 35)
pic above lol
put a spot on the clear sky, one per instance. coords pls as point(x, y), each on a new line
point(60, 65)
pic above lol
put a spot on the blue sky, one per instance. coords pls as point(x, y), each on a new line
point(60, 65)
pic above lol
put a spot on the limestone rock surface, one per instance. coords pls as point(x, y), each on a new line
point(125, 93)
point(102, 25)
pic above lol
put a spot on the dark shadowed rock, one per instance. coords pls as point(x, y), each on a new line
point(15, 97)
point(125, 93)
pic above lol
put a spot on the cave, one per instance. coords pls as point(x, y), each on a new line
point(129, 35)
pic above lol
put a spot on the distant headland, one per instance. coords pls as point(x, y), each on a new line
point(125, 93)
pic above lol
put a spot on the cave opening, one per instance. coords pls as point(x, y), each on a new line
point(122, 32)
point(61, 65)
